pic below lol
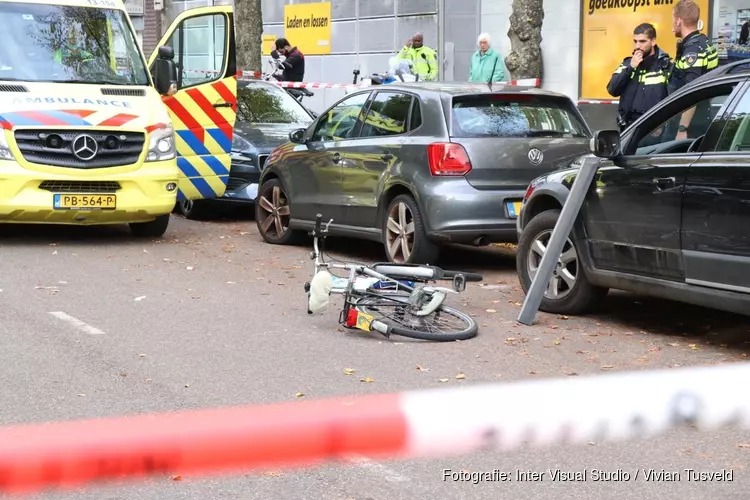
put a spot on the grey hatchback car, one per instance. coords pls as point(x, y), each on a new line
point(418, 165)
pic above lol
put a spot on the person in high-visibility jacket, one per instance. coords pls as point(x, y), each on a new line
point(423, 58)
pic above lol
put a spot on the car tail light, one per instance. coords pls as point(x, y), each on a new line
point(529, 191)
point(447, 158)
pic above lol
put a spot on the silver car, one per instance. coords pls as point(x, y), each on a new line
point(418, 165)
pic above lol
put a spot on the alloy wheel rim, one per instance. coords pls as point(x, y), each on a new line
point(400, 233)
point(274, 213)
point(565, 273)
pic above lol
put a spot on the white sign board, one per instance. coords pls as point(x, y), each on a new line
point(134, 7)
point(158, 4)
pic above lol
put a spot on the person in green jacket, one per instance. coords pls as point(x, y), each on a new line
point(423, 58)
point(486, 64)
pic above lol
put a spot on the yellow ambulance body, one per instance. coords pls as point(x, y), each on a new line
point(86, 137)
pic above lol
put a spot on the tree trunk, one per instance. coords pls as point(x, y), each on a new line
point(525, 33)
point(248, 32)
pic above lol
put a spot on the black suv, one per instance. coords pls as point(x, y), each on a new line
point(669, 212)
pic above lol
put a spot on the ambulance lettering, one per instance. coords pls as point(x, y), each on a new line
point(71, 100)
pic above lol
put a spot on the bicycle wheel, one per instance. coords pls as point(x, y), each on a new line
point(443, 325)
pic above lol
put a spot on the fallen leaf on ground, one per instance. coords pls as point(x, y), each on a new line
point(299, 395)
point(674, 344)
point(442, 380)
point(532, 372)
point(557, 342)
point(189, 268)
point(460, 376)
point(422, 369)
point(563, 317)
point(367, 379)
point(491, 310)
point(138, 299)
point(510, 340)
point(348, 371)
point(273, 473)
point(177, 478)
point(743, 445)
point(607, 367)
point(81, 395)
point(141, 355)
point(694, 347)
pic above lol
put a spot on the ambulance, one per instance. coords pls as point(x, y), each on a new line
point(95, 133)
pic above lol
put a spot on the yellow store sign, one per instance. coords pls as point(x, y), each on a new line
point(307, 26)
point(607, 36)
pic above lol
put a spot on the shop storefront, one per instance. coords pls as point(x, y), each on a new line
point(583, 41)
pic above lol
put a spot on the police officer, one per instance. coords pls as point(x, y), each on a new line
point(422, 57)
point(640, 81)
point(695, 57)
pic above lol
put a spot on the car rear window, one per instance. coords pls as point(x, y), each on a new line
point(499, 115)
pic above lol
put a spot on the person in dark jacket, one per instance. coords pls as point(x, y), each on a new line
point(640, 81)
point(294, 64)
point(695, 57)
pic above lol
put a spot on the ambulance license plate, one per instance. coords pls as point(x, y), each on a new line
point(84, 201)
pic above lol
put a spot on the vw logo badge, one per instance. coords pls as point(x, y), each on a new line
point(85, 147)
point(535, 156)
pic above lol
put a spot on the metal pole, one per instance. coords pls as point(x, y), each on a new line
point(564, 225)
point(441, 39)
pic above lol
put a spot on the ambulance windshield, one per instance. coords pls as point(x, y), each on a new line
point(61, 43)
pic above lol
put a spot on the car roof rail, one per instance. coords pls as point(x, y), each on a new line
point(736, 67)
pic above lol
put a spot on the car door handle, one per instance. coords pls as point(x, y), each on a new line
point(386, 157)
point(664, 182)
point(336, 158)
point(222, 105)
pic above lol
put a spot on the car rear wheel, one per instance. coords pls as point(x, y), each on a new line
point(404, 234)
point(569, 290)
point(272, 214)
point(194, 209)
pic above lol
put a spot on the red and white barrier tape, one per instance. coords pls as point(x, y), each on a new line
point(427, 423)
point(528, 82)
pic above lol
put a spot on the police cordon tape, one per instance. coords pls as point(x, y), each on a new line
point(416, 424)
point(254, 75)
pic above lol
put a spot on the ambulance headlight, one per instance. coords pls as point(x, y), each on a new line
point(161, 144)
point(5, 152)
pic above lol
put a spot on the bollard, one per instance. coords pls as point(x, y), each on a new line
point(568, 215)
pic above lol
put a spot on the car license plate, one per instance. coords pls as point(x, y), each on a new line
point(514, 208)
point(84, 201)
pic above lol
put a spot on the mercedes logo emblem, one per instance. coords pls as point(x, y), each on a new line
point(85, 147)
point(535, 156)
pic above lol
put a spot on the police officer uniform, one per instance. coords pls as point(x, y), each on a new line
point(641, 88)
point(695, 57)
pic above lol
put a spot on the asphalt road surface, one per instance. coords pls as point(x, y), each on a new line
point(95, 324)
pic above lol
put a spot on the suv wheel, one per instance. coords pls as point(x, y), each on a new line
point(272, 214)
point(404, 234)
point(569, 290)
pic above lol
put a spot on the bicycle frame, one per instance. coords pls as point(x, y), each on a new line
point(354, 269)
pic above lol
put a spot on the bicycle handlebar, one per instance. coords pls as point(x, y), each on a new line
point(318, 221)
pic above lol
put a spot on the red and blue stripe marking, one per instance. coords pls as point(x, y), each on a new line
point(67, 117)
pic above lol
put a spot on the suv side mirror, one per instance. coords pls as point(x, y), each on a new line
point(606, 144)
point(297, 136)
point(165, 71)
